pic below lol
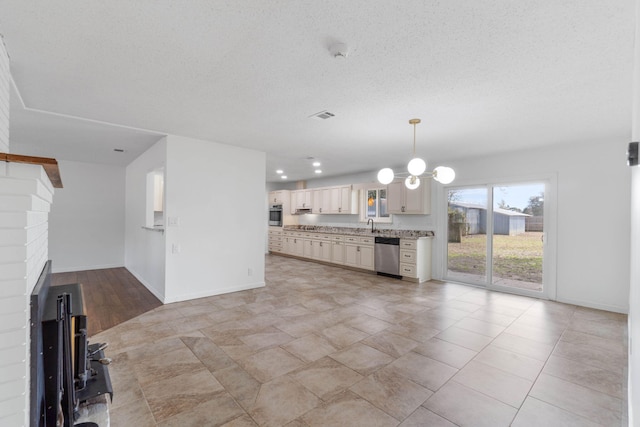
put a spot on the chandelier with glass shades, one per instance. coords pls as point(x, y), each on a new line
point(416, 168)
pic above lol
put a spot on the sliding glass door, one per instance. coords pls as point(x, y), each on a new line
point(496, 236)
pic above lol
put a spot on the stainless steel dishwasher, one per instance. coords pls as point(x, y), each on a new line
point(387, 256)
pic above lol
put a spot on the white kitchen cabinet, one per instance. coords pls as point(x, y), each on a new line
point(322, 250)
point(343, 200)
point(275, 240)
point(279, 197)
point(325, 201)
point(358, 252)
point(401, 200)
point(415, 258)
point(337, 249)
point(293, 243)
point(303, 199)
point(316, 200)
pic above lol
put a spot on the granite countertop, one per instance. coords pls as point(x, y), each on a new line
point(404, 234)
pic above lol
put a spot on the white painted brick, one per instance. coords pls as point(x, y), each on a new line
point(29, 171)
point(12, 335)
point(21, 219)
point(18, 237)
point(13, 304)
point(23, 203)
point(16, 354)
point(12, 288)
point(14, 270)
point(13, 254)
point(17, 419)
point(12, 372)
point(13, 237)
point(14, 388)
point(18, 186)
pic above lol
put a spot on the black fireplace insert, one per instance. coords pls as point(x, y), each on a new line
point(66, 370)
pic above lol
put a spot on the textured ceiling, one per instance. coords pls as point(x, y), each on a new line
point(484, 76)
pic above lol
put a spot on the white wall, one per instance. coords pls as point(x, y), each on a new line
point(634, 258)
point(144, 254)
point(86, 224)
point(593, 214)
point(218, 194)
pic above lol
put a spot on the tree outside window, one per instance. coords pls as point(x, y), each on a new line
point(376, 203)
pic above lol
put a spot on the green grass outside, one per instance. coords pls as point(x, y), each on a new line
point(515, 257)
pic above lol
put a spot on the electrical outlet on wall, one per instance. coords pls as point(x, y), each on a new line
point(173, 221)
point(175, 248)
point(250, 272)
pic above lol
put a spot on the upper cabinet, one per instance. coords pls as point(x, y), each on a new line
point(401, 200)
point(303, 199)
point(316, 200)
point(278, 197)
point(343, 200)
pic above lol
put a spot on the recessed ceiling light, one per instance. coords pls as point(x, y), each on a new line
point(283, 176)
point(316, 164)
point(279, 171)
point(318, 171)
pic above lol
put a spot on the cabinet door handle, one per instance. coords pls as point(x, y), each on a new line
point(407, 256)
point(295, 240)
point(320, 244)
point(320, 210)
point(358, 248)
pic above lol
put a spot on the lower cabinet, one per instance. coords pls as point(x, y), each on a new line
point(358, 252)
point(354, 251)
point(276, 243)
point(321, 250)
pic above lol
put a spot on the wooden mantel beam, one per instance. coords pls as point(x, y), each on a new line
point(50, 165)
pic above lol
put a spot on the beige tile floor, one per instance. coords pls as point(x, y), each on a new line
point(324, 346)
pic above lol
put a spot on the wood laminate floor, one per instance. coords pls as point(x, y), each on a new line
point(111, 296)
point(325, 346)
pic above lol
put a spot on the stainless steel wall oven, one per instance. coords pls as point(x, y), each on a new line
point(275, 215)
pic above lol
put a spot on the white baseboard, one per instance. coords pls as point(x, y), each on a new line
point(210, 293)
point(597, 306)
point(147, 285)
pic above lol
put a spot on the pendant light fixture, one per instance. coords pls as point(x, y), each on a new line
point(416, 168)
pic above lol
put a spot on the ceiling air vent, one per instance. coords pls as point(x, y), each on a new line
point(322, 115)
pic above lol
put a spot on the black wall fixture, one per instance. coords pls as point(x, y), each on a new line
point(632, 154)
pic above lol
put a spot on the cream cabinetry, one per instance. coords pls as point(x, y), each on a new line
point(303, 199)
point(337, 249)
point(321, 248)
point(293, 243)
point(353, 251)
point(415, 258)
point(343, 200)
point(358, 252)
point(275, 239)
point(316, 200)
point(401, 200)
point(279, 197)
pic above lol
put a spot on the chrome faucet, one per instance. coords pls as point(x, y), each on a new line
point(371, 219)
